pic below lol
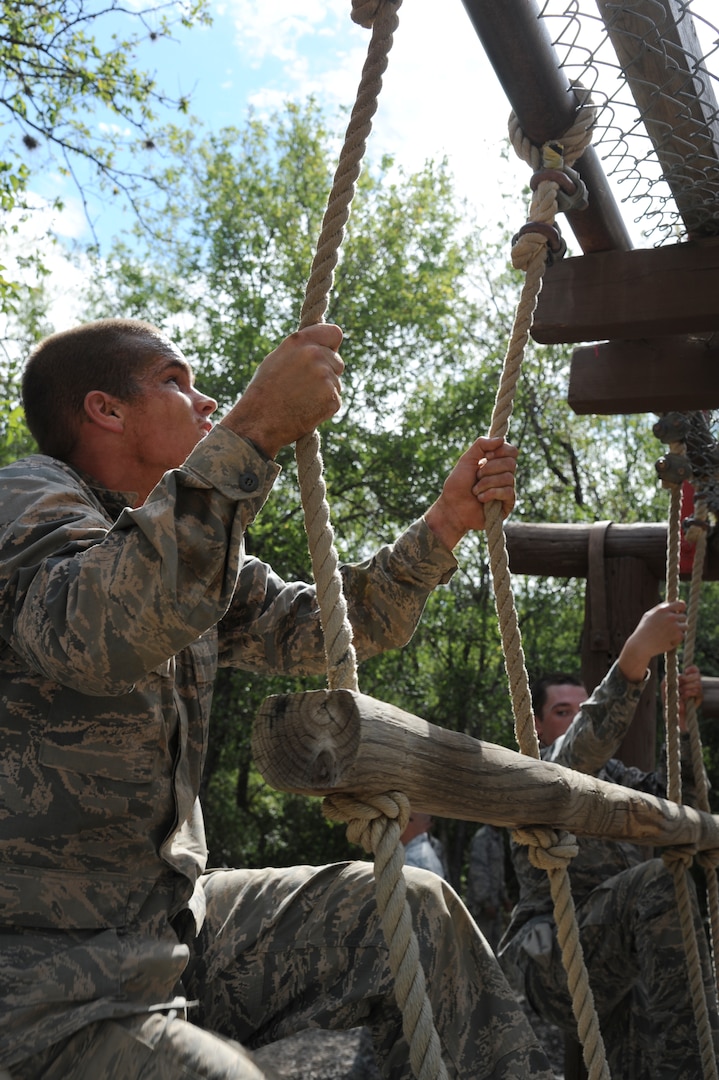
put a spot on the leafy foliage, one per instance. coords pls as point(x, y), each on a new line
point(74, 99)
point(426, 303)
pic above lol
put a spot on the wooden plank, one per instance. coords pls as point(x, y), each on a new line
point(652, 375)
point(630, 294)
point(325, 741)
point(562, 550)
point(660, 55)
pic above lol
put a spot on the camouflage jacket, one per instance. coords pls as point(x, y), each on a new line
point(112, 624)
point(588, 745)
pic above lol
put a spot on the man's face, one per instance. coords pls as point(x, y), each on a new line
point(562, 705)
point(169, 418)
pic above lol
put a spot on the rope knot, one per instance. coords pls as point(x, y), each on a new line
point(679, 856)
point(360, 814)
point(364, 12)
point(568, 148)
point(547, 849)
point(532, 237)
point(572, 192)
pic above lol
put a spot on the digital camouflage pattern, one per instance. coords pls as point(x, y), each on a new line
point(626, 910)
point(486, 884)
point(281, 950)
point(112, 623)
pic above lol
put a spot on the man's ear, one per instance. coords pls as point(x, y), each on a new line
point(104, 410)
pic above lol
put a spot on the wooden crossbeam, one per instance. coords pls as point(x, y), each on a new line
point(657, 47)
point(324, 741)
point(649, 375)
point(647, 293)
point(560, 549)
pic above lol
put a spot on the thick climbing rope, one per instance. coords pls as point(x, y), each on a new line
point(555, 185)
point(697, 534)
point(381, 17)
point(378, 826)
point(701, 973)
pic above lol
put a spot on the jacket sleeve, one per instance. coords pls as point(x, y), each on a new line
point(274, 626)
point(597, 730)
point(595, 734)
point(95, 606)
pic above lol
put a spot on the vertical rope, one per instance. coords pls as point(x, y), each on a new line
point(671, 705)
point(677, 861)
point(545, 848)
point(410, 987)
point(381, 15)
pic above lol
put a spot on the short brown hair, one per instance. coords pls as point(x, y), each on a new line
point(109, 355)
point(542, 684)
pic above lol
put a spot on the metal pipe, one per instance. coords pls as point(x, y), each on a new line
point(520, 50)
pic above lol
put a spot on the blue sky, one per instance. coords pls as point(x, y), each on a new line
point(439, 97)
point(440, 94)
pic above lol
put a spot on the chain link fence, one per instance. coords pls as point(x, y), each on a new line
point(652, 69)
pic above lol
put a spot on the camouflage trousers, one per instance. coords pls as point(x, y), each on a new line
point(634, 952)
point(289, 949)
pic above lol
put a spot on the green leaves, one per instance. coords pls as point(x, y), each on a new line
point(426, 302)
point(72, 97)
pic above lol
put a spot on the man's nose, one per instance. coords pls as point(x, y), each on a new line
point(205, 405)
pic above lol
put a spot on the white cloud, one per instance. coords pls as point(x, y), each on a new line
point(275, 28)
point(67, 280)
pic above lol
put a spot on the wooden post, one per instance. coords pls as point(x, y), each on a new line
point(630, 590)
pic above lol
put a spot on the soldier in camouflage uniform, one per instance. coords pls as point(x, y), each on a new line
point(625, 902)
point(123, 586)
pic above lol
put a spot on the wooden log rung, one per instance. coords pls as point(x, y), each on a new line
point(321, 742)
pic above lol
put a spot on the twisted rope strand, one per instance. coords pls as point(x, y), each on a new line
point(377, 824)
point(671, 707)
point(679, 861)
point(340, 652)
point(529, 253)
point(383, 833)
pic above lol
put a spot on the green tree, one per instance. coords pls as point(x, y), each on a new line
point(426, 302)
point(66, 64)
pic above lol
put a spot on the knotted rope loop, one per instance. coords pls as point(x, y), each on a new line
point(555, 185)
point(679, 856)
point(532, 232)
point(363, 815)
point(546, 848)
point(364, 12)
point(673, 468)
point(573, 142)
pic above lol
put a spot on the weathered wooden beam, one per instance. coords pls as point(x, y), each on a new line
point(630, 294)
point(323, 742)
point(661, 59)
point(562, 550)
point(650, 375)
